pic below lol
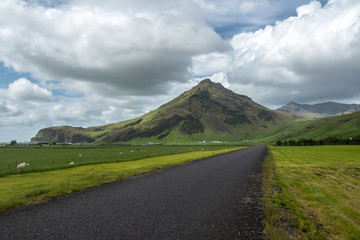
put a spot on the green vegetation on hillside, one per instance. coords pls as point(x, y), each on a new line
point(207, 112)
point(313, 192)
point(29, 188)
point(346, 126)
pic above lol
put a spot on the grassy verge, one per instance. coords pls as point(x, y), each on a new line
point(25, 189)
point(312, 192)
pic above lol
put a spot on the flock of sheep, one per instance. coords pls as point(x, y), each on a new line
point(23, 164)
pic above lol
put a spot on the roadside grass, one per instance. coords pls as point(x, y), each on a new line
point(24, 189)
point(58, 157)
point(312, 192)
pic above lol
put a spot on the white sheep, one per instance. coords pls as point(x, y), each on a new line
point(71, 164)
point(120, 153)
point(21, 165)
point(80, 155)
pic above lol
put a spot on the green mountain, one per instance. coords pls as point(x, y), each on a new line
point(345, 126)
point(207, 112)
point(320, 109)
point(63, 134)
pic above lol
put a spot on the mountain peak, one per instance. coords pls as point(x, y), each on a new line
point(209, 89)
point(207, 83)
point(319, 109)
point(210, 86)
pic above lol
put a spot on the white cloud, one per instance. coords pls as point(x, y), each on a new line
point(315, 55)
point(132, 46)
point(230, 17)
point(208, 64)
point(308, 8)
point(23, 89)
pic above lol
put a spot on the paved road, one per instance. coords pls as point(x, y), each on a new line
point(214, 198)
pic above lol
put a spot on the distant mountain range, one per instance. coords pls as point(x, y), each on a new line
point(209, 112)
point(320, 110)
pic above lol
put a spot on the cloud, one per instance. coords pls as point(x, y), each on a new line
point(23, 89)
point(208, 64)
point(311, 57)
point(230, 17)
point(99, 62)
point(7, 111)
point(24, 108)
point(308, 8)
point(132, 46)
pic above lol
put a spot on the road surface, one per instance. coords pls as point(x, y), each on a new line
point(215, 198)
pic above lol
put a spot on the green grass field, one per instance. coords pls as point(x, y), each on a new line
point(51, 158)
point(33, 187)
point(313, 192)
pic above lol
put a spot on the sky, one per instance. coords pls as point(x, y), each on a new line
point(87, 62)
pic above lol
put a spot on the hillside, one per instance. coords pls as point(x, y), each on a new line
point(346, 126)
point(320, 109)
point(207, 112)
point(63, 134)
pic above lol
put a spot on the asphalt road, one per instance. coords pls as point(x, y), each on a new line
point(214, 198)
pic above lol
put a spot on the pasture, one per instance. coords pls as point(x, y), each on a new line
point(59, 157)
point(37, 184)
point(313, 192)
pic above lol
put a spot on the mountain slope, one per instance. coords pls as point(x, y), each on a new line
point(345, 126)
point(206, 112)
point(64, 134)
point(320, 109)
